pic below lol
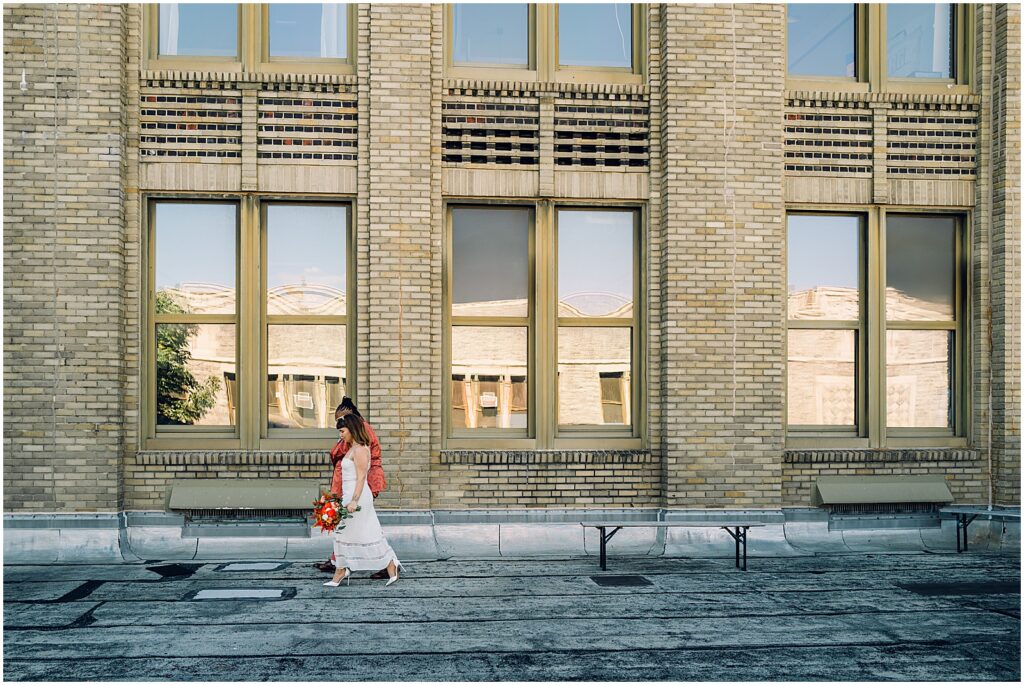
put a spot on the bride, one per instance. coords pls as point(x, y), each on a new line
point(360, 545)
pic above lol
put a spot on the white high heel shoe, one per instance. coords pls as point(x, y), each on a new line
point(335, 583)
point(394, 578)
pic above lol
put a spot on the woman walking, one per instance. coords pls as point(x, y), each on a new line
point(375, 479)
point(360, 545)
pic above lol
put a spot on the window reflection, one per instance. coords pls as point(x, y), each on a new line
point(821, 377)
point(824, 267)
point(821, 39)
point(595, 264)
point(595, 35)
point(195, 257)
point(202, 30)
point(918, 379)
point(920, 268)
point(306, 259)
point(305, 374)
point(308, 30)
point(490, 262)
point(919, 40)
point(195, 370)
point(594, 376)
point(490, 34)
point(489, 374)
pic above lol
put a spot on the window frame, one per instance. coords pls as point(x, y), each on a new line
point(543, 53)
point(250, 430)
point(862, 382)
point(870, 43)
point(253, 47)
point(267, 63)
point(874, 433)
point(543, 431)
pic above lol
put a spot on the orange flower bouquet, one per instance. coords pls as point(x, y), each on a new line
point(328, 514)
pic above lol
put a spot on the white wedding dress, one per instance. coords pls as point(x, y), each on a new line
point(360, 545)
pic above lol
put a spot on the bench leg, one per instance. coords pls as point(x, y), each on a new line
point(604, 542)
point(962, 522)
point(744, 534)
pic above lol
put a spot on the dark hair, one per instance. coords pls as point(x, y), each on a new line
point(357, 427)
point(347, 403)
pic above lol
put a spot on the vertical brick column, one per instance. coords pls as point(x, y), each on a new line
point(402, 323)
point(63, 256)
point(723, 254)
point(1005, 263)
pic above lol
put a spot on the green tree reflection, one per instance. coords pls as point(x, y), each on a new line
point(180, 399)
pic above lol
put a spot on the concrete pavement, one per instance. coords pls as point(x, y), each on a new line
point(917, 616)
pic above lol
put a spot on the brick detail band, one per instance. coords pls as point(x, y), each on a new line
point(234, 458)
point(877, 456)
point(485, 457)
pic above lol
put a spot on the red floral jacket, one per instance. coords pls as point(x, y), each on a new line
point(375, 478)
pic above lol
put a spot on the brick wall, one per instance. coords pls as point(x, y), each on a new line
point(468, 479)
point(63, 256)
point(1006, 303)
point(722, 250)
point(965, 470)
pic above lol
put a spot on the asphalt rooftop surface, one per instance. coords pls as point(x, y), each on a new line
point(855, 617)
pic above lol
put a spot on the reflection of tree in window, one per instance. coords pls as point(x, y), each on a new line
point(180, 398)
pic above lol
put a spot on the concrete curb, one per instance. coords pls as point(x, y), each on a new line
point(42, 539)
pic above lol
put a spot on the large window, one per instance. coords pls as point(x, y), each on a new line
point(876, 339)
point(270, 37)
point(208, 346)
point(542, 343)
point(567, 42)
point(880, 47)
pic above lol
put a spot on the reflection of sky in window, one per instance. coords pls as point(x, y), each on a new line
point(490, 253)
point(823, 251)
point(490, 34)
point(821, 39)
point(306, 244)
point(595, 253)
point(595, 35)
point(918, 40)
point(308, 30)
point(209, 30)
point(195, 243)
point(920, 257)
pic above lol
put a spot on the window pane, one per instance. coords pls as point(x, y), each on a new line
point(305, 375)
point(491, 34)
point(195, 258)
point(205, 30)
point(195, 375)
point(490, 262)
point(590, 361)
point(489, 377)
point(593, 35)
point(824, 267)
point(821, 39)
point(306, 259)
point(918, 379)
point(919, 40)
point(308, 30)
point(595, 263)
point(822, 378)
point(920, 268)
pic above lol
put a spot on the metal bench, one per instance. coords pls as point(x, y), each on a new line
point(966, 515)
point(738, 531)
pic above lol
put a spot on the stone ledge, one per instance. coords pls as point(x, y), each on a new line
point(486, 457)
point(545, 88)
point(878, 456)
point(246, 77)
point(215, 458)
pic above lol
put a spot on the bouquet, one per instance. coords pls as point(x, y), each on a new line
point(328, 513)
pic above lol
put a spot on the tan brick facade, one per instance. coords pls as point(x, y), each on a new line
point(712, 185)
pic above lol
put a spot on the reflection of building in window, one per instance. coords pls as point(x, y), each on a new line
point(302, 400)
point(615, 387)
point(489, 401)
